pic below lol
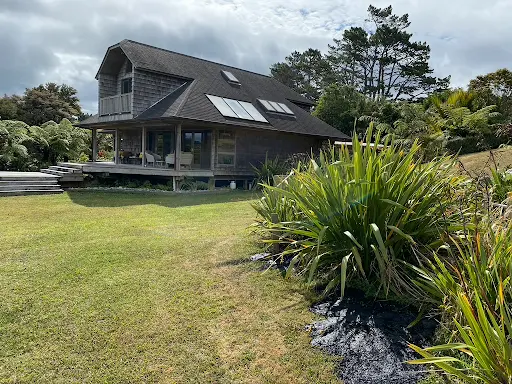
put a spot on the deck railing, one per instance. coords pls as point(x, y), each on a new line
point(116, 104)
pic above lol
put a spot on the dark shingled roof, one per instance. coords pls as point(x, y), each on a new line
point(204, 78)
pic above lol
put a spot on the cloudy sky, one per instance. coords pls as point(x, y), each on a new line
point(65, 40)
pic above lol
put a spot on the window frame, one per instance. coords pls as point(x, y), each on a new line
point(127, 80)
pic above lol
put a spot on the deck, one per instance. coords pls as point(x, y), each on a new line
point(129, 169)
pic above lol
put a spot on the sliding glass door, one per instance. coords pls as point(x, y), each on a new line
point(160, 148)
point(196, 147)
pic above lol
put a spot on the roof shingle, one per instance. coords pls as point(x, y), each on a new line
point(205, 78)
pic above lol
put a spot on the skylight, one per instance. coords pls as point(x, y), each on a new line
point(230, 77)
point(275, 107)
point(237, 109)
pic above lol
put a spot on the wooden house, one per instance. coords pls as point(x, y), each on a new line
point(174, 115)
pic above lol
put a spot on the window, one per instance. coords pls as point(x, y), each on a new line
point(275, 107)
point(230, 77)
point(237, 109)
point(126, 85)
point(226, 148)
point(129, 67)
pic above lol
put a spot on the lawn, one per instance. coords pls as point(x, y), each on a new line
point(144, 288)
point(483, 161)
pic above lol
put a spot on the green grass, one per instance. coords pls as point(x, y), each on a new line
point(143, 288)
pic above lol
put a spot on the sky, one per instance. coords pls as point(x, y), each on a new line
point(64, 41)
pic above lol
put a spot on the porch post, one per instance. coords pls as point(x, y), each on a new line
point(94, 145)
point(177, 152)
point(143, 147)
point(212, 158)
point(116, 146)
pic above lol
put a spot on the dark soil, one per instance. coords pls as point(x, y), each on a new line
point(371, 337)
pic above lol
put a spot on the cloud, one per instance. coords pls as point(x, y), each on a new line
point(65, 40)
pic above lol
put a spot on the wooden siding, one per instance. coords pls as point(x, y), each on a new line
point(131, 141)
point(106, 87)
point(123, 74)
point(149, 87)
point(252, 146)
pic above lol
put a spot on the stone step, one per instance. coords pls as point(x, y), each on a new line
point(31, 192)
point(28, 187)
point(64, 169)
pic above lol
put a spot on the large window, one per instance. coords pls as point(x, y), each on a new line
point(226, 148)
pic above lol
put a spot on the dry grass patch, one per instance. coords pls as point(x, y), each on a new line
point(483, 161)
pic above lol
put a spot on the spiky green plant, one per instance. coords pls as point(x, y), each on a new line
point(363, 211)
point(473, 284)
point(269, 168)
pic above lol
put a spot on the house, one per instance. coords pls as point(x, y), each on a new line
point(174, 115)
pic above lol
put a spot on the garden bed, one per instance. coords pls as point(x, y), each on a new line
point(372, 338)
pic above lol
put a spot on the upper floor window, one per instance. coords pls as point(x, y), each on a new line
point(129, 67)
point(126, 85)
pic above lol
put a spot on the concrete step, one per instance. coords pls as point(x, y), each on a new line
point(31, 192)
point(64, 169)
point(24, 187)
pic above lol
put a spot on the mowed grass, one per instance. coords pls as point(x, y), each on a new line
point(479, 162)
point(143, 288)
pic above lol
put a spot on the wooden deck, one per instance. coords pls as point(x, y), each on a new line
point(127, 169)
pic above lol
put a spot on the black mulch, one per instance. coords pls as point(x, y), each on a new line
point(371, 337)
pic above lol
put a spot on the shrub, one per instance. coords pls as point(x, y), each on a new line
point(475, 290)
point(360, 216)
point(266, 171)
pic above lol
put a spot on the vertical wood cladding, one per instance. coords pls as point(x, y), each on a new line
point(149, 87)
point(252, 146)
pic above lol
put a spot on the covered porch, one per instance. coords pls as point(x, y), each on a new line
point(167, 150)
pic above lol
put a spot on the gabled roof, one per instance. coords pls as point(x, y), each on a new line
point(203, 77)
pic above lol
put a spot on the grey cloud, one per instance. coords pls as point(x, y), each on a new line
point(33, 33)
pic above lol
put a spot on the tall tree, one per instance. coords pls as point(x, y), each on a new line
point(50, 102)
point(306, 72)
point(345, 109)
point(383, 62)
point(495, 89)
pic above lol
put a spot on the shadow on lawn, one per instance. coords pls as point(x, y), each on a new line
point(123, 199)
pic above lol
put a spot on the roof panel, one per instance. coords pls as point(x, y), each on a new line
point(222, 107)
point(256, 115)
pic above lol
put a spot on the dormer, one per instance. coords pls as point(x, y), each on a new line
point(115, 83)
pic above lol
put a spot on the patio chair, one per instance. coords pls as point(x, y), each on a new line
point(186, 159)
point(150, 159)
point(169, 160)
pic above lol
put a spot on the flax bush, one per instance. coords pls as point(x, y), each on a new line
point(360, 215)
point(474, 289)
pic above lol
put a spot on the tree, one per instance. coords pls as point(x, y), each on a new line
point(495, 89)
point(9, 107)
point(345, 109)
point(50, 102)
point(383, 62)
point(306, 72)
